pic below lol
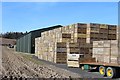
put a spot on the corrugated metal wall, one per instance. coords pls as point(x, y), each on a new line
point(26, 43)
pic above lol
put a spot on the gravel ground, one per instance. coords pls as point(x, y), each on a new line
point(22, 65)
point(28, 66)
point(84, 74)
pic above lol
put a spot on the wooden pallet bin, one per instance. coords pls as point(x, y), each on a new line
point(108, 50)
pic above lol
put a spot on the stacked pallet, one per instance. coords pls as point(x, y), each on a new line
point(112, 32)
point(73, 60)
point(72, 48)
point(73, 54)
point(96, 32)
point(78, 52)
point(86, 53)
point(54, 45)
point(80, 33)
point(60, 52)
point(51, 46)
point(92, 32)
point(86, 50)
point(106, 51)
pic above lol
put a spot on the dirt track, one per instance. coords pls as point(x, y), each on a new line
point(22, 65)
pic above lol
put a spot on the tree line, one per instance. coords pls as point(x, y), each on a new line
point(12, 35)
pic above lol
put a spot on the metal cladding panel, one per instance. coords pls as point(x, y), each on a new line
point(20, 44)
point(24, 43)
point(37, 33)
point(16, 45)
point(29, 43)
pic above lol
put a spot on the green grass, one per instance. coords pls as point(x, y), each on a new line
point(29, 57)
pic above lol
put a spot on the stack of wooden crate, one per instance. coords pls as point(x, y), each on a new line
point(52, 46)
point(51, 40)
point(48, 45)
point(92, 32)
point(73, 53)
point(85, 49)
point(106, 51)
point(80, 33)
point(112, 32)
point(60, 52)
point(97, 32)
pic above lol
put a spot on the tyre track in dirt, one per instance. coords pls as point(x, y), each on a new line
point(15, 64)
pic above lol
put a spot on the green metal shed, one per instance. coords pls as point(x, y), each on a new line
point(26, 43)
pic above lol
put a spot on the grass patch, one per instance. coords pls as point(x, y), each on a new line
point(30, 57)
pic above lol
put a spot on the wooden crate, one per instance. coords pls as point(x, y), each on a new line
point(73, 63)
point(73, 57)
point(112, 31)
point(87, 60)
point(72, 45)
point(104, 26)
point(81, 31)
point(112, 37)
point(79, 35)
point(108, 53)
point(61, 50)
point(80, 40)
point(60, 44)
point(54, 41)
point(112, 27)
point(98, 44)
point(60, 57)
point(73, 50)
point(66, 35)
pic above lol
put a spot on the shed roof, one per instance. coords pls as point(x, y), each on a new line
point(43, 29)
